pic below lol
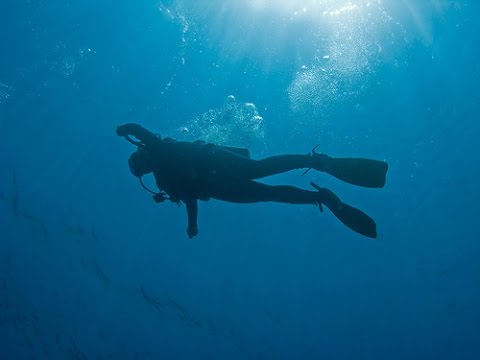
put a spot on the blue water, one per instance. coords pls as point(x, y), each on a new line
point(92, 268)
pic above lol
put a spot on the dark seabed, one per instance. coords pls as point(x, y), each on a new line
point(92, 268)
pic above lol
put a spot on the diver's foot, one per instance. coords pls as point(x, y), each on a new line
point(353, 218)
point(326, 197)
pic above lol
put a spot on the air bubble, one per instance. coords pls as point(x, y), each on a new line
point(233, 124)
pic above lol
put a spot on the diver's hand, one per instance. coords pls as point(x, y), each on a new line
point(127, 129)
point(192, 231)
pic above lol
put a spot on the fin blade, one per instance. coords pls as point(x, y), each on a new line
point(355, 219)
point(357, 171)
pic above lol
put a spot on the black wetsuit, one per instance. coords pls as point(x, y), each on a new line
point(192, 171)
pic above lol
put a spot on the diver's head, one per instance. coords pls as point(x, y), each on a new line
point(140, 163)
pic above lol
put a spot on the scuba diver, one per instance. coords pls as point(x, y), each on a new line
point(191, 171)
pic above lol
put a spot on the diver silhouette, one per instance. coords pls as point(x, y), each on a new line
point(191, 171)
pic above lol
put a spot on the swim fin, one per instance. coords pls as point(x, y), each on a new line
point(353, 218)
point(357, 171)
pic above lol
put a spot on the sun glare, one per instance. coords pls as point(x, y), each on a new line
point(339, 11)
point(308, 8)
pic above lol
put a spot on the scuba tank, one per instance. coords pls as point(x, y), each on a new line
point(236, 150)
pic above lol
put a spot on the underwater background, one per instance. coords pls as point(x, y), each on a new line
point(92, 268)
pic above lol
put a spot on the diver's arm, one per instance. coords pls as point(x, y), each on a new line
point(192, 212)
point(148, 138)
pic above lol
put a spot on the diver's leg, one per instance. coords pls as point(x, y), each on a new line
point(246, 168)
point(252, 191)
point(278, 164)
point(357, 171)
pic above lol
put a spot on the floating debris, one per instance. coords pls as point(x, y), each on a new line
point(155, 303)
point(101, 275)
point(184, 315)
